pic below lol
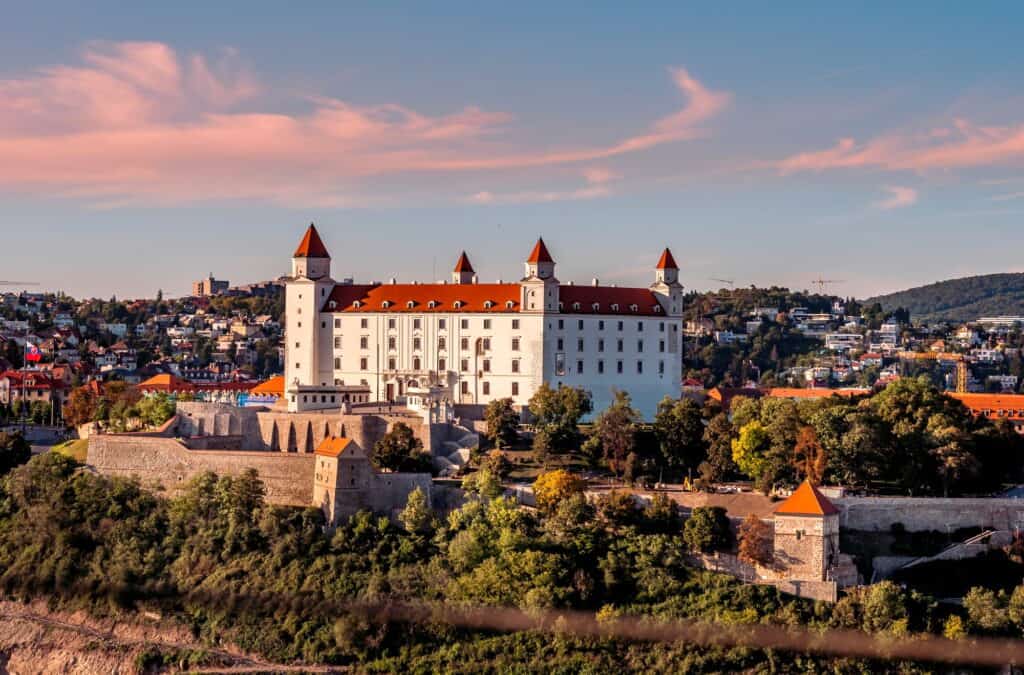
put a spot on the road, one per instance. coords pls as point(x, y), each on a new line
point(42, 438)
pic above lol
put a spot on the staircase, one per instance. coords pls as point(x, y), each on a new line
point(453, 455)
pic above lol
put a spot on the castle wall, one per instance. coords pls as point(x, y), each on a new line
point(167, 466)
point(918, 514)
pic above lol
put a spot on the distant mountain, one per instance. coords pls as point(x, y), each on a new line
point(963, 299)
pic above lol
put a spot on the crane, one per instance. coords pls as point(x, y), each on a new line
point(19, 283)
point(821, 283)
point(731, 282)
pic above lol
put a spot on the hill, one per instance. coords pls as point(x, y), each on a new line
point(963, 299)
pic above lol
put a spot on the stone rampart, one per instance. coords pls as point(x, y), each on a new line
point(167, 465)
point(921, 514)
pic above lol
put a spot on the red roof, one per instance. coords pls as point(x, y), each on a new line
point(540, 253)
point(608, 300)
point(463, 264)
point(666, 261)
point(994, 406)
point(168, 383)
point(806, 500)
point(424, 298)
point(311, 245)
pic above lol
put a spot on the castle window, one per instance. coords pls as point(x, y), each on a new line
point(487, 388)
point(442, 365)
point(410, 304)
point(615, 308)
point(515, 389)
point(364, 342)
point(576, 306)
point(515, 324)
point(337, 342)
point(633, 308)
point(639, 324)
point(464, 365)
point(661, 326)
point(323, 324)
point(510, 304)
point(465, 387)
point(392, 363)
point(487, 324)
point(385, 304)
point(515, 365)
point(391, 343)
point(416, 363)
point(618, 367)
point(640, 367)
point(298, 310)
point(639, 345)
point(515, 344)
point(661, 367)
point(486, 344)
point(337, 363)
point(579, 367)
point(487, 365)
point(442, 324)
point(458, 304)
point(391, 323)
point(337, 323)
point(799, 534)
point(357, 305)
point(488, 304)
point(363, 323)
point(417, 343)
point(417, 324)
point(464, 343)
point(560, 344)
point(364, 363)
point(332, 304)
point(579, 345)
point(561, 324)
point(432, 304)
point(561, 306)
point(596, 306)
point(442, 343)
point(661, 345)
point(600, 367)
point(600, 345)
point(579, 324)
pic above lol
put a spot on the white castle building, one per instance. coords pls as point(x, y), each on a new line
point(468, 343)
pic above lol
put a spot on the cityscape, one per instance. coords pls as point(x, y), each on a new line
point(350, 386)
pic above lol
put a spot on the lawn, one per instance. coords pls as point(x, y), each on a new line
point(75, 449)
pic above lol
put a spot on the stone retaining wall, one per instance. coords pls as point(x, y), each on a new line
point(167, 465)
point(921, 514)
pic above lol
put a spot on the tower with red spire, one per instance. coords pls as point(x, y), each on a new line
point(666, 286)
point(539, 287)
point(463, 272)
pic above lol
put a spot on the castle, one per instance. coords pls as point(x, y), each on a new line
point(467, 343)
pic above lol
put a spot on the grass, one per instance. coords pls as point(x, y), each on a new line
point(75, 449)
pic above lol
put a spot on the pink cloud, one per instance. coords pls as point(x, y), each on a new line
point(137, 122)
point(962, 145)
point(899, 197)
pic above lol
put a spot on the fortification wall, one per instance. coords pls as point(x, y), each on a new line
point(303, 432)
point(920, 514)
point(166, 465)
point(199, 418)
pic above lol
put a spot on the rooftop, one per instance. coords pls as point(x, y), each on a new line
point(806, 500)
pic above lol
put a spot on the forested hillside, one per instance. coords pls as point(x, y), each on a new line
point(963, 299)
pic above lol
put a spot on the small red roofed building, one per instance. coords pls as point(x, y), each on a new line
point(995, 407)
point(345, 482)
point(807, 543)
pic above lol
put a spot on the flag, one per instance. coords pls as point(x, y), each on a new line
point(32, 353)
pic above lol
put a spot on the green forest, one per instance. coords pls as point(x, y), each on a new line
point(959, 300)
point(235, 569)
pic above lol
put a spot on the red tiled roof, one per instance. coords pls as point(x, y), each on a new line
point(995, 406)
point(806, 500)
point(463, 264)
point(604, 297)
point(332, 446)
point(472, 298)
point(540, 253)
point(725, 395)
point(311, 245)
point(166, 382)
point(667, 262)
point(272, 387)
point(814, 392)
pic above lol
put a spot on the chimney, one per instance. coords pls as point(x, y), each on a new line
point(476, 280)
point(595, 283)
point(392, 281)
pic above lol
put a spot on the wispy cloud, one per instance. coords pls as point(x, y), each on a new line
point(899, 197)
point(960, 145)
point(137, 122)
point(1008, 197)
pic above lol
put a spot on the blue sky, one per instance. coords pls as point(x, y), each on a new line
point(148, 146)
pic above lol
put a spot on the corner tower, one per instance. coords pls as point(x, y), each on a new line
point(666, 286)
point(311, 259)
point(539, 288)
point(806, 535)
point(308, 341)
point(463, 272)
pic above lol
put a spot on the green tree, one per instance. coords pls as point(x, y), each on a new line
point(156, 409)
point(707, 529)
point(679, 429)
point(484, 483)
point(14, 451)
point(417, 517)
point(556, 413)
point(502, 422)
point(616, 427)
point(986, 609)
point(398, 449)
point(749, 450)
point(718, 436)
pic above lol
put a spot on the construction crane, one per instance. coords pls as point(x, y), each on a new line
point(822, 283)
point(724, 281)
point(19, 283)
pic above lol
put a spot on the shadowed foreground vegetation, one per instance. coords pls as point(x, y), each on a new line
point(71, 536)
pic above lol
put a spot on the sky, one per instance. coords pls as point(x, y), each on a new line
point(879, 146)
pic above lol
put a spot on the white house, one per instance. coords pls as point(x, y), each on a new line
point(479, 342)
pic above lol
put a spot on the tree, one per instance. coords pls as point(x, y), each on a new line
point(398, 449)
point(755, 541)
point(554, 486)
point(718, 436)
point(707, 529)
point(616, 427)
point(680, 432)
point(1015, 607)
point(81, 406)
point(557, 412)
point(502, 422)
point(750, 448)
point(986, 609)
point(416, 517)
point(484, 483)
point(14, 451)
point(497, 463)
point(156, 409)
point(808, 455)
